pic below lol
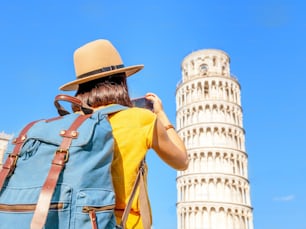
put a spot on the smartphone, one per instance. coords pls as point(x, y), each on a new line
point(142, 102)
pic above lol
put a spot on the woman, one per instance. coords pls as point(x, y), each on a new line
point(101, 81)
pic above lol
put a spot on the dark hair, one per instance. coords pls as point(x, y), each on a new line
point(104, 91)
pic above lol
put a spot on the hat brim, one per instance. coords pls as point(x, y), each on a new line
point(73, 85)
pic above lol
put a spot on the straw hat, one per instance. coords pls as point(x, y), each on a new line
point(95, 60)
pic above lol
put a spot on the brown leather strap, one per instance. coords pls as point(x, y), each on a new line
point(62, 111)
point(144, 205)
point(10, 164)
point(143, 198)
point(58, 163)
point(93, 219)
point(129, 204)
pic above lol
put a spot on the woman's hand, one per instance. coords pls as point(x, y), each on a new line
point(157, 103)
point(158, 108)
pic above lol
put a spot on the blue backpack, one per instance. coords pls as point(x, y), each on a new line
point(57, 173)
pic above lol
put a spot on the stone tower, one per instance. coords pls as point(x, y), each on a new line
point(4, 138)
point(214, 192)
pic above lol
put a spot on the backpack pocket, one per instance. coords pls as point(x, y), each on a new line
point(101, 202)
point(17, 206)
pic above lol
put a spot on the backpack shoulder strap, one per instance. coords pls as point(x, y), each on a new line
point(143, 200)
point(112, 109)
point(10, 163)
point(58, 163)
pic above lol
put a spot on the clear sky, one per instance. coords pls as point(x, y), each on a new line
point(265, 40)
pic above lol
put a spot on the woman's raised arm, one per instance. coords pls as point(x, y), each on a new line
point(166, 142)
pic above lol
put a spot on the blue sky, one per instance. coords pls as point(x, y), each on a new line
point(265, 40)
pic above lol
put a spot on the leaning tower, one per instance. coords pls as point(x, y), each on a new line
point(214, 192)
point(4, 138)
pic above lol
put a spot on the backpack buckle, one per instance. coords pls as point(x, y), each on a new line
point(15, 158)
point(63, 151)
point(12, 165)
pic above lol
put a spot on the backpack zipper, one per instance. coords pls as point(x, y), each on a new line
point(87, 209)
point(27, 207)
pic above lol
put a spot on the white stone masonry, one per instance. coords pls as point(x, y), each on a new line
point(4, 138)
point(214, 192)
